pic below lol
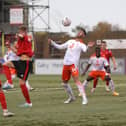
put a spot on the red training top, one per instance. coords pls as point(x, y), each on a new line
point(107, 53)
point(24, 46)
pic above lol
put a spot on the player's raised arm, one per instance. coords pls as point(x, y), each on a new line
point(85, 70)
point(114, 62)
point(58, 46)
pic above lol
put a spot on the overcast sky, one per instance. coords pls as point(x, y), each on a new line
point(88, 12)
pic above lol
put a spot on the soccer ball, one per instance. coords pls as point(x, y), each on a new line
point(66, 22)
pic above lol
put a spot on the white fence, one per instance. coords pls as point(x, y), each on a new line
point(54, 66)
point(48, 66)
point(116, 43)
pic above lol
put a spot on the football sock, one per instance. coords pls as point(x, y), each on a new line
point(85, 83)
point(7, 73)
point(111, 84)
point(3, 100)
point(81, 89)
point(95, 83)
point(25, 93)
point(68, 89)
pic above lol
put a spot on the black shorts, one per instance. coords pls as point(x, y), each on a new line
point(23, 68)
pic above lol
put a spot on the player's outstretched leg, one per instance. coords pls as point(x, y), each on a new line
point(6, 113)
point(95, 82)
point(8, 84)
point(82, 92)
point(25, 93)
point(107, 86)
point(84, 86)
point(112, 86)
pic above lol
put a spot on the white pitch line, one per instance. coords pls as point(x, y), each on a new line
point(39, 89)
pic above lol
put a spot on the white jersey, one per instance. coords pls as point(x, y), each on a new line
point(10, 56)
point(98, 64)
point(74, 48)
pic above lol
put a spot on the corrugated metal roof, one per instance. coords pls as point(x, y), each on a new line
point(13, 1)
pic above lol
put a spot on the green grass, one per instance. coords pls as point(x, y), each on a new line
point(48, 109)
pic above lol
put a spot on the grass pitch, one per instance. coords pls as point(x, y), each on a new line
point(48, 109)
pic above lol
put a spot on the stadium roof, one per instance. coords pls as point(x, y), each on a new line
point(14, 1)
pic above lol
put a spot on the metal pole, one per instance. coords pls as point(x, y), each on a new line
point(27, 9)
point(32, 17)
point(33, 41)
point(48, 14)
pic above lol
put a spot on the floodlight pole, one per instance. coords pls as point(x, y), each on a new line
point(33, 7)
point(48, 15)
point(32, 23)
